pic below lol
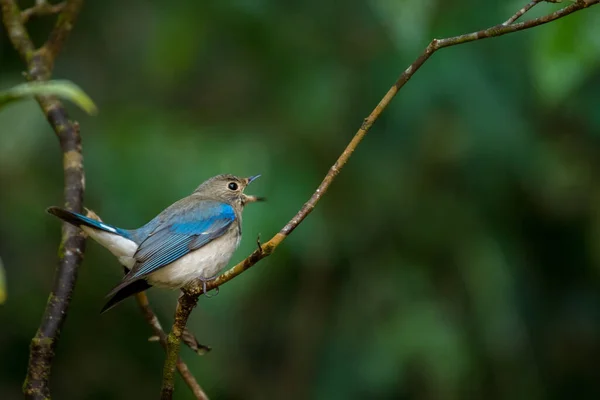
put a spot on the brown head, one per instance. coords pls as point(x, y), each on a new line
point(228, 189)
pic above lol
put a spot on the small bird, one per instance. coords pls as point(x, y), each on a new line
point(193, 239)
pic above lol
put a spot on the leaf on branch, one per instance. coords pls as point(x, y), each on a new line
point(2, 284)
point(60, 88)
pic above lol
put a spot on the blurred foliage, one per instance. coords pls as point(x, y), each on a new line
point(63, 89)
point(456, 256)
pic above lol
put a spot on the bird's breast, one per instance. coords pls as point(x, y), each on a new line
point(205, 262)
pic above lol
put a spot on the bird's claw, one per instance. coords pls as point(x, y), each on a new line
point(259, 244)
point(204, 287)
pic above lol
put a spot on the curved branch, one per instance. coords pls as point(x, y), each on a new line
point(436, 44)
point(190, 296)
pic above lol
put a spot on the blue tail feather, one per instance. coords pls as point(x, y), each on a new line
point(78, 220)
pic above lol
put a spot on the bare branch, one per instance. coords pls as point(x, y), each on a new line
point(41, 9)
point(522, 11)
point(183, 369)
point(190, 296)
point(185, 305)
point(11, 17)
point(62, 29)
point(436, 44)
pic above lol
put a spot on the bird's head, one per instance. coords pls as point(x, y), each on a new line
point(228, 188)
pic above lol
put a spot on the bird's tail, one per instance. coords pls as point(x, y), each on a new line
point(78, 220)
point(124, 292)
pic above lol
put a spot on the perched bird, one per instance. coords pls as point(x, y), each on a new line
point(193, 239)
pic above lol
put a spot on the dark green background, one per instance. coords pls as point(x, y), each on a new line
point(456, 256)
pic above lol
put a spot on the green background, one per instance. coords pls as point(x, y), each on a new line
point(457, 256)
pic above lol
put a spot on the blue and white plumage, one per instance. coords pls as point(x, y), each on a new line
point(191, 240)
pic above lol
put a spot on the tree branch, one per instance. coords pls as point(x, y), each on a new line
point(40, 9)
point(40, 63)
point(64, 25)
point(183, 369)
point(522, 11)
point(190, 296)
point(185, 305)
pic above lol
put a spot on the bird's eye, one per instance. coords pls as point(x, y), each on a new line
point(232, 186)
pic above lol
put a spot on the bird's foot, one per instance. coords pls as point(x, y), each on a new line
point(204, 280)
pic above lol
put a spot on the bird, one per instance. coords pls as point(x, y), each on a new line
point(190, 241)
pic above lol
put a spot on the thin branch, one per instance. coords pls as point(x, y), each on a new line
point(522, 11)
point(11, 17)
point(41, 9)
point(183, 369)
point(62, 29)
point(190, 296)
point(436, 44)
point(189, 339)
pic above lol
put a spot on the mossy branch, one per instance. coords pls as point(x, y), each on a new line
point(40, 63)
point(184, 371)
point(190, 296)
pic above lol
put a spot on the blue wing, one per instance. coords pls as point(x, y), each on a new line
point(181, 234)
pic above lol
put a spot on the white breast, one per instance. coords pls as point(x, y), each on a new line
point(205, 263)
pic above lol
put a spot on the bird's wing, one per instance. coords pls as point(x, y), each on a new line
point(180, 235)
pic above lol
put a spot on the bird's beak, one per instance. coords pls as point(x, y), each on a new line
point(252, 178)
point(252, 199)
point(249, 198)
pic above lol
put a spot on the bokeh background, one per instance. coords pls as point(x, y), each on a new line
point(457, 255)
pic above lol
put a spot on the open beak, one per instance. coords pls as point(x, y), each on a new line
point(250, 198)
point(252, 178)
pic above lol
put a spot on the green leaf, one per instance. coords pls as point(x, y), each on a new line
point(61, 88)
point(2, 284)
